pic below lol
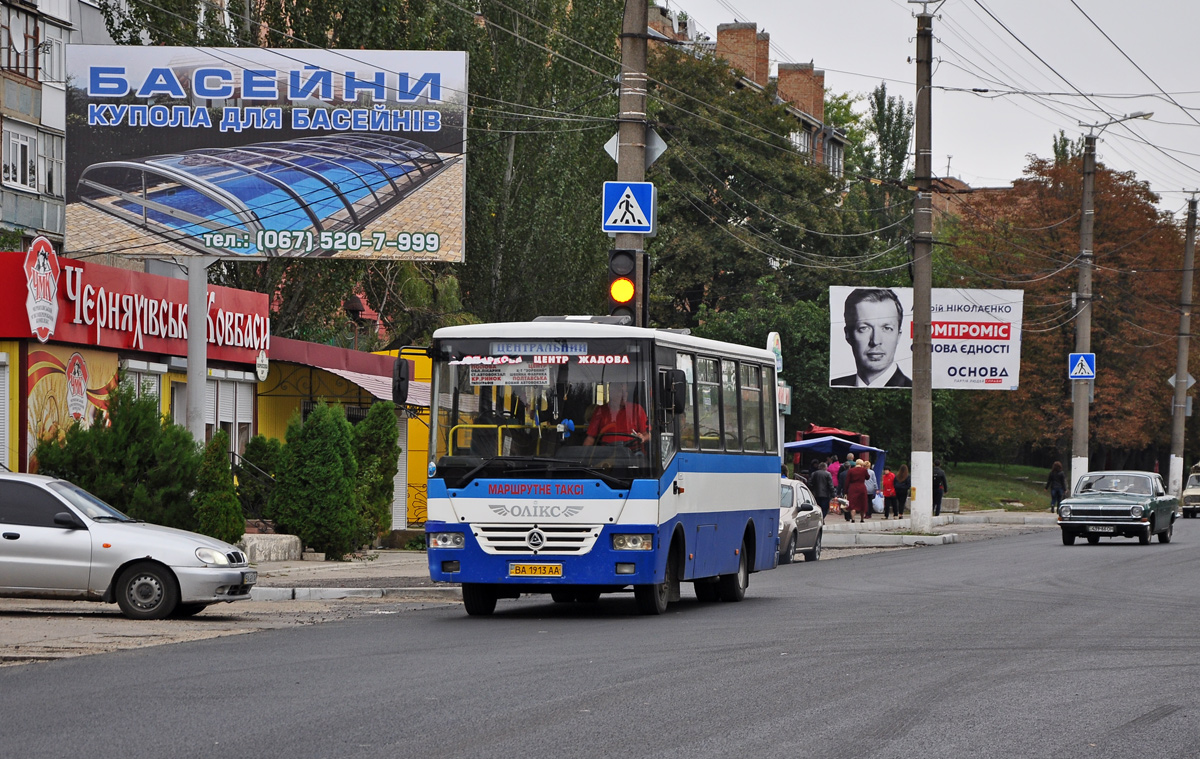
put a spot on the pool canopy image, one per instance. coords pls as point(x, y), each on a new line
point(333, 183)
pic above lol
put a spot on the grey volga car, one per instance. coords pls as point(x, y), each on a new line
point(800, 522)
point(60, 541)
point(1118, 504)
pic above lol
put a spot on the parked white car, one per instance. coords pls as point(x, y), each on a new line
point(800, 522)
point(59, 541)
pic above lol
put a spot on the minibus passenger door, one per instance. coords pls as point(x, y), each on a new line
point(670, 393)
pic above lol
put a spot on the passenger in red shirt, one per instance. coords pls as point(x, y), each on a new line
point(619, 421)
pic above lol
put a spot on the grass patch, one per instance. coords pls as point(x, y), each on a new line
point(1010, 487)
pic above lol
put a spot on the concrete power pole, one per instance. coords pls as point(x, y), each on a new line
point(1081, 388)
point(631, 133)
point(1179, 406)
point(922, 267)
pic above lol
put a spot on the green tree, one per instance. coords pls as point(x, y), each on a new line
point(131, 457)
point(254, 472)
point(377, 450)
point(738, 203)
point(218, 512)
point(314, 494)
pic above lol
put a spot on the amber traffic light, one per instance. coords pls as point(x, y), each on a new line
point(622, 287)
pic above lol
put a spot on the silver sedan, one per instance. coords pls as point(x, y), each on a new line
point(800, 522)
point(59, 541)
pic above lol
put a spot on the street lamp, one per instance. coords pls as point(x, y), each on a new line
point(1118, 120)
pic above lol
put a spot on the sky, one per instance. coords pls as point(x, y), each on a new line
point(985, 139)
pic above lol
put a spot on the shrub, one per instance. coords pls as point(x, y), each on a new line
point(131, 457)
point(259, 463)
point(218, 511)
point(377, 451)
point(314, 494)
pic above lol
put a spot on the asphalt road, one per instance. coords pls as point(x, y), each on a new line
point(1012, 647)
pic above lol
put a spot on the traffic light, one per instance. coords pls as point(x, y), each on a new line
point(622, 283)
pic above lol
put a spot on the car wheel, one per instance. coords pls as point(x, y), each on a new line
point(814, 553)
point(733, 587)
point(707, 591)
point(182, 611)
point(653, 599)
point(787, 555)
point(147, 591)
point(1144, 538)
point(1068, 538)
point(1165, 535)
point(479, 600)
point(562, 596)
point(1093, 539)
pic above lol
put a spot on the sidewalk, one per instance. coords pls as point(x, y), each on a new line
point(947, 528)
point(405, 574)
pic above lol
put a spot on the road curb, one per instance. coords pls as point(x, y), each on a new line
point(333, 594)
point(874, 540)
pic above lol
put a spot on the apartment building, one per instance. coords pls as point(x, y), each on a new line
point(33, 108)
point(798, 86)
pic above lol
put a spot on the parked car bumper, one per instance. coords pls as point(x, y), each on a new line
point(212, 584)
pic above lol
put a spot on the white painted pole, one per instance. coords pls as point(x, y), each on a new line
point(197, 343)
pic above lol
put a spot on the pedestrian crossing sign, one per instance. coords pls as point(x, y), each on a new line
point(1081, 366)
point(629, 207)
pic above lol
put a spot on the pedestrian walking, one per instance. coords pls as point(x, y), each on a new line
point(856, 490)
point(889, 494)
point(834, 467)
point(872, 487)
point(1056, 483)
point(822, 488)
point(940, 487)
point(845, 470)
point(902, 485)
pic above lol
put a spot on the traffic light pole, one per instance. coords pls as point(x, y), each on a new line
point(631, 136)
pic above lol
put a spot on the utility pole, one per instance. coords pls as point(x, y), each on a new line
point(1179, 405)
point(197, 344)
point(922, 268)
point(1081, 388)
point(631, 134)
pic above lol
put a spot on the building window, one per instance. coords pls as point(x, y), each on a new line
point(50, 164)
point(144, 383)
point(801, 141)
point(53, 53)
point(20, 156)
point(19, 36)
point(835, 158)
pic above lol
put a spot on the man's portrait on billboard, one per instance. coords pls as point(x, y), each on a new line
point(873, 329)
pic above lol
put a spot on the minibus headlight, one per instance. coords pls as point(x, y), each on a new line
point(446, 540)
point(632, 542)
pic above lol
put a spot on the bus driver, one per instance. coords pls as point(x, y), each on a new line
point(619, 421)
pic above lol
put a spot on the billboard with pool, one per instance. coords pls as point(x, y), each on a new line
point(259, 153)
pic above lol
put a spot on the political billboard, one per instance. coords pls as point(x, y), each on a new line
point(976, 338)
point(259, 152)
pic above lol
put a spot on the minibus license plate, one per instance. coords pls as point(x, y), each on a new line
point(1100, 528)
point(535, 570)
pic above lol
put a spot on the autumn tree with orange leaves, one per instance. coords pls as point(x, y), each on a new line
point(1027, 237)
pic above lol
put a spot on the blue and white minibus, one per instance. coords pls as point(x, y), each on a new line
point(576, 456)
